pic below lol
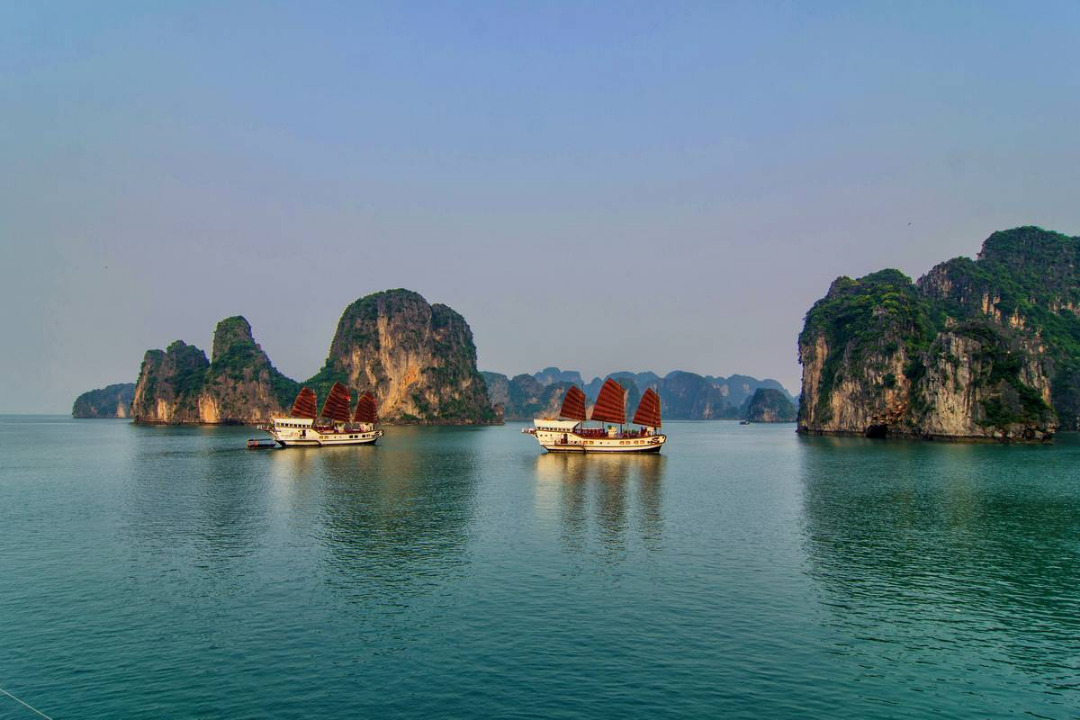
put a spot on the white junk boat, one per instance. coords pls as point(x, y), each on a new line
point(567, 433)
point(332, 426)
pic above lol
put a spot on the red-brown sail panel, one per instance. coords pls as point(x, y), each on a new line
point(305, 405)
point(573, 404)
point(610, 404)
point(336, 406)
point(648, 410)
point(367, 411)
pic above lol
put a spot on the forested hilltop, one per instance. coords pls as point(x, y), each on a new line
point(976, 349)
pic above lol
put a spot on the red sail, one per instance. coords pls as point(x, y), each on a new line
point(610, 404)
point(336, 406)
point(305, 405)
point(573, 404)
point(648, 410)
point(366, 410)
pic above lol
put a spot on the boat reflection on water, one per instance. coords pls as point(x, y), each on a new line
point(598, 498)
point(391, 520)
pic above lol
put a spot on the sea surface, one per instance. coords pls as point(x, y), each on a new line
point(168, 572)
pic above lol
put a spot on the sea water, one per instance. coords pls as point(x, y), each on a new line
point(169, 572)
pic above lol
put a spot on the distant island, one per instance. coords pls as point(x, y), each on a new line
point(418, 360)
point(113, 401)
point(683, 395)
point(985, 349)
point(769, 405)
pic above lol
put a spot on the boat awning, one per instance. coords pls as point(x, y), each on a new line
point(556, 425)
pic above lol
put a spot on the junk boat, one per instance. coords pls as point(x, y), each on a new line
point(333, 426)
point(568, 433)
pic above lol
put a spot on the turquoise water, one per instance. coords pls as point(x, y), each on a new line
point(151, 572)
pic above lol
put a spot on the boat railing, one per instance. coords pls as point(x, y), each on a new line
point(602, 433)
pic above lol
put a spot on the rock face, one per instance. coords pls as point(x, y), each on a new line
point(984, 349)
point(770, 406)
point(418, 360)
point(169, 385)
point(113, 401)
point(240, 385)
point(683, 395)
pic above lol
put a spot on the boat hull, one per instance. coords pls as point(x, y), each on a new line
point(570, 442)
point(293, 432)
point(331, 439)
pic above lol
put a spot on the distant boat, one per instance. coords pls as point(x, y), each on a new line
point(744, 422)
point(332, 426)
point(568, 433)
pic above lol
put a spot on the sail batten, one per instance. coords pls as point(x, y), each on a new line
point(610, 403)
point(648, 411)
point(336, 406)
point(573, 406)
point(367, 410)
point(305, 405)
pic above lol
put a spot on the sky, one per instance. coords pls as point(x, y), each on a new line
point(599, 186)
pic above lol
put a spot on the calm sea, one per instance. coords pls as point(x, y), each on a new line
point(150, 572)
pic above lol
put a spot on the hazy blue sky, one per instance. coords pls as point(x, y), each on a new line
point(597, 186)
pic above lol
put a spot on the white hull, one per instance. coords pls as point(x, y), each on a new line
point(570, 441)
point(299, 432)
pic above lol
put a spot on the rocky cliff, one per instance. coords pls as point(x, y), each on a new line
point(770, 406)
point(976, 349)
point(113, 401)
point(239, 385)
point(418, 360)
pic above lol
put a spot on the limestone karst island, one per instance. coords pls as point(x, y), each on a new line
point(984, 349)
point(417, 359)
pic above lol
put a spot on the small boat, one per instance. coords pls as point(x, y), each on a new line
point(332, 426)
point(744, 422)
point(568, 433)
